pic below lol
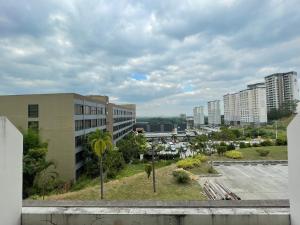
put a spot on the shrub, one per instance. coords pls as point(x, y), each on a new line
point(200, 157)
point(230, 147)
point(243, 145)
point(256, 145)
point(263, 152)
point(181, 176)
point(221, 149)
point(233, 154)
point(148, 169)
point(266, 143)
point(188, 163)
point(211, 170)
point(281, 141)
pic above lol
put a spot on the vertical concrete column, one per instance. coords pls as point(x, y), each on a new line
point(11, 150)
point(294, 168)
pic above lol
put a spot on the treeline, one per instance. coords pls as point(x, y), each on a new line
point(162, 120)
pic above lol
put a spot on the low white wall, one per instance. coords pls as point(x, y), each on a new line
point(11, 150)
point(154, 216)
point(294, 169)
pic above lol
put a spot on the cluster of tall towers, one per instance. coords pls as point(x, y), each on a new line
point(252, 105)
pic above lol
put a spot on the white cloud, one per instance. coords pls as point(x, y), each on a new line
point(188, 51)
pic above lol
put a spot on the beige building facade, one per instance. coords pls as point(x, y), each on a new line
point(63, 121)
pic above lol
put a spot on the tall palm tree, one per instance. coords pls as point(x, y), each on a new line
point(100, 142)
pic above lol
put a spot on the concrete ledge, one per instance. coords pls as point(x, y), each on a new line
point(162, 204)
point(151, 216)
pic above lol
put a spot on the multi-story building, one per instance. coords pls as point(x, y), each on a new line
point(63, 121)
point(232, 113)
point(189, 122)
point(120, 120)
point(198, 116)
point(253, 108)
point(281, 88)
point(214, 113)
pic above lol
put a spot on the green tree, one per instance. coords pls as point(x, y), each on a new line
point(34, 160)
point(100, 142)
point(45, 179)
point(132, 146)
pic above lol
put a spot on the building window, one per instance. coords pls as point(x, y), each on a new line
point(33, 125)
point(33, 111)
point(78, 109)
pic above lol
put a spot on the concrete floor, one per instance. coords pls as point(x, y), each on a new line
point(254, 181)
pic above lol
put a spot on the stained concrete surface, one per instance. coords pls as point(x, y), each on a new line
point(254, 181)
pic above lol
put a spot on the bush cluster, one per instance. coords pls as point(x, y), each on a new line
point(263, 152)
point(267, 143)
point(234, 154)
point(181, 176)
point(202, 158)
point(190, 163)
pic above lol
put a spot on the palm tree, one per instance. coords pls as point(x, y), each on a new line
point(100, 142)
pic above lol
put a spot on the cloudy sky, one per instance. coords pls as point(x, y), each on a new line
point(165, 56)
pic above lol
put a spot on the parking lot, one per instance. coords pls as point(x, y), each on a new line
point(254, 181)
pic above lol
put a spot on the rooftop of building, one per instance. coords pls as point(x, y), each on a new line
point(280, 74)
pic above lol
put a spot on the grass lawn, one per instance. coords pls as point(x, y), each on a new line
point(202, 169)
point(276, 153)
point(139, 187)
point(131, 169)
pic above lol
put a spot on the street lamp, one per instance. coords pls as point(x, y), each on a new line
point(153, 169)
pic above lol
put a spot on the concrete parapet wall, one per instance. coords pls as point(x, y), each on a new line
point(151, 216)
point(275, 212)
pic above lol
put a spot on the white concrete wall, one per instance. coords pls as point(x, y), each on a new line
point(294, 169)
point(11, 150)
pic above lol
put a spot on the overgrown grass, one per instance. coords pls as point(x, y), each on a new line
point(276, 153)
point(139, 187)
point(129, 170)
point(203, 169)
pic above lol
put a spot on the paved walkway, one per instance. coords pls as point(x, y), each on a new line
point(254, 181)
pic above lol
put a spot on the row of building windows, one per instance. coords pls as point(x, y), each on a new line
point(119, 127)
point(121, 119)
point(89, 110)
point(86, 124)
point(117, 135)
point(122, 112)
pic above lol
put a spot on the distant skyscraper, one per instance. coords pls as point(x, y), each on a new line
point(198, 116)
point(232, 113)
point(253, 105)
point(214, 112)
point(281, 88)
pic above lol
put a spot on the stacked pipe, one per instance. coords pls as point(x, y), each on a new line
point(217, 191)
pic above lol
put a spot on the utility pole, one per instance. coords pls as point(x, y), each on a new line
point(276, 131)
point(153, 169)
